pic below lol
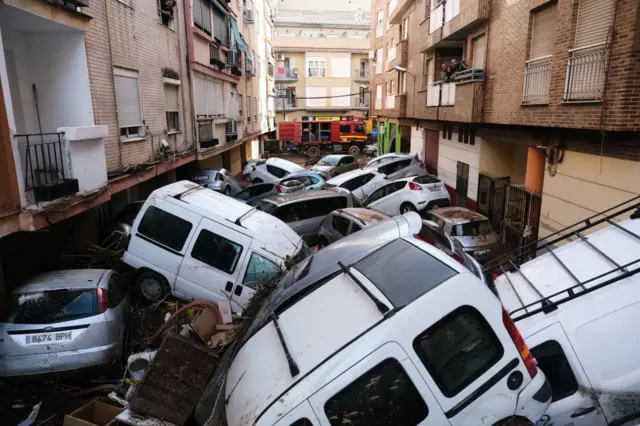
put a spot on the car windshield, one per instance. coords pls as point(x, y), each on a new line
point(328, 161)
point(473, 229)
point(52, 306)
point(265, 206)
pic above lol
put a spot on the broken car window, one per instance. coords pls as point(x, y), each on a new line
point(553, 362)
point(458, 349)
point(259, 270)
point(164, 228)
point(216, 251)
point(383, 396)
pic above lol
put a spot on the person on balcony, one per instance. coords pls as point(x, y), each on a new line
point(444, 72)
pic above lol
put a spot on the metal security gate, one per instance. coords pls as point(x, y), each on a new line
point(492, 192)
point(521, 219)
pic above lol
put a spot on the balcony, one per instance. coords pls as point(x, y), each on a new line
point(402, 55)
point(286, 75)
point(286, 104)
point(586, 69)
point(398, 12)
point(537, 78)
point(396, 105)
point(455, 19)
point(362, 75)
point(460, 100)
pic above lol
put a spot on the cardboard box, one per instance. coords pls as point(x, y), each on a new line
point(95, 413)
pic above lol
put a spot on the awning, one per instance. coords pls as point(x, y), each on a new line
point(242, 46)
point(219, 7)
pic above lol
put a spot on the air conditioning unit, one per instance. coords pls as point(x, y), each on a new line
point(248, 16)
point(232, 58)
point(280, 56)
point(232, 128)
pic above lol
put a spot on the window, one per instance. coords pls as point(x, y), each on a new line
point(216, 251)
point(340, 96)
point(248, 108)
point(354, 228)
point(171, 107)
point(315, 67)
point(537, 77)
point(402, 82)
point(357, 182)
point(128, 103)
point(341, 67)
point(379, 61)
point(378, 97)
point(302, 422)
point(340, 224)
point(164, 228)
point(346, 160)
point(393, 167)
point(220, 27)
point(48, 307)
point(165, 12)
point(458, 349)
point(345, 129)
point(259, 270)
point(479, 51)
point(240, 104)
point(380, 24)
point(405, 29)
point(255, 108)
point(397, 401)
point(254, 191)
point(324, 206)
point(202, 15)
point(276, 171)
point(553, 362)
point(316, 96)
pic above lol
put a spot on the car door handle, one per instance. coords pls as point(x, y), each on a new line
point(238, 290)
point(583, 412)
point(228, 287)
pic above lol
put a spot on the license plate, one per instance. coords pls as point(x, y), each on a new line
point(481, 252)
point(434, 189)
point(38, 339)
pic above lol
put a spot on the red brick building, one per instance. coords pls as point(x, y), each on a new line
point(549, 96)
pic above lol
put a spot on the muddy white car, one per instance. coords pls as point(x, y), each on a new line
point(382, 328)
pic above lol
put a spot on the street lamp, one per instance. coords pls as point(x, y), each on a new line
point(404, 70)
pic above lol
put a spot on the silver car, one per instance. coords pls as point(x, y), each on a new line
point(343, 222)
point(64, 320)
point(471, 229)
point(397, 166)
point(305, 211)
point(334, 165)
point(221, 181)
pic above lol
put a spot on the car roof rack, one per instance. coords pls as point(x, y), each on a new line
point(511, 261)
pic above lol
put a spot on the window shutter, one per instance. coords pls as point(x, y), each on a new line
point(594, 19)
point(479, 52)
point(171, 97)
point(544, 31)
point(128, 101)
point(430, 71)
point(201, 96)
point(218, 97)
point(211, 98)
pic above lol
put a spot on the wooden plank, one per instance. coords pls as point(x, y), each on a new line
point(175, 381)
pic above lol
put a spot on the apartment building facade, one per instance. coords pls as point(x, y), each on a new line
point(322, 63)
point(544, 108)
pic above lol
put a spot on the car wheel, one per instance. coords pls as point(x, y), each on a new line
point(354, 150)
point(313, 152)
point(152, 286)
point(256, 181)
point(407, 207)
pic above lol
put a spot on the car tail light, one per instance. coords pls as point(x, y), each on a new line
point(521, 346)
point(103, 300)
point(219, 177)
point(423, 166)
point(414, 186)
point(280, 188)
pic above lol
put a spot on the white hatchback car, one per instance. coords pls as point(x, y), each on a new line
point(397, 165)
point(361, 182)
point(269, 170)
point(418, 193)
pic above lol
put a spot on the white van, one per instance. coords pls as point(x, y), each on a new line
point(380, 328)
point(578, 307)
point(198, 244)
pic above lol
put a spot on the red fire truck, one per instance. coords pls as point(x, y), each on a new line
point(335, 134)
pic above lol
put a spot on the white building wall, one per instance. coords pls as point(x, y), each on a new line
point(450, 151)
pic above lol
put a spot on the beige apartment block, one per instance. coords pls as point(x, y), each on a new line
point(322, 66)
point(227, 50)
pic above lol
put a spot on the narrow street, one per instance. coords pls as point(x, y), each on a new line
point(291, 212)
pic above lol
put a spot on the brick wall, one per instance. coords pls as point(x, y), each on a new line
point(509, 36)
point(133, 38)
